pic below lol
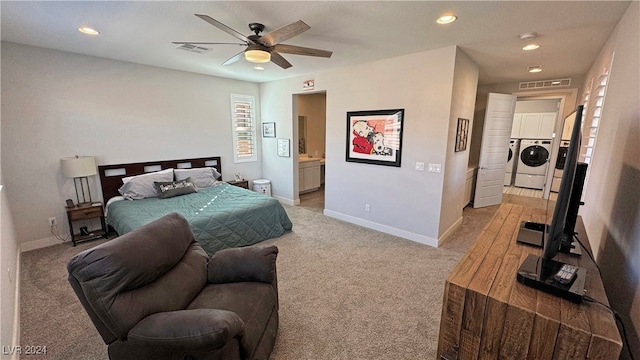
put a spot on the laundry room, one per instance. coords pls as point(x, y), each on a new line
point(530, 161)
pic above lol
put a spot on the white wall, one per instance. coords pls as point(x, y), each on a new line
point(463, 99)
point(403, 201)
point(9, 277)
point(57, 104)
point(612, 197)
point(536, 106)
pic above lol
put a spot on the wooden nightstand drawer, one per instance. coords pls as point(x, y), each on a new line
point(90, 212)
point(240, 183)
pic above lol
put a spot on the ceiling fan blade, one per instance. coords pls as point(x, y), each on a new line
point(234, 58)
point(299, 50)
point(205, 43)
point(223, 27)
point(279, 60)
point(283, 33)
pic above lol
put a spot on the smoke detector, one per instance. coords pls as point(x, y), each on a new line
point(527, 36)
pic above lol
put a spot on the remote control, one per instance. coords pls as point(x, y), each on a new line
point(566, 274)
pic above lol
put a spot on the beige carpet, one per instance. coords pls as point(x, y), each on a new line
point(346, 292)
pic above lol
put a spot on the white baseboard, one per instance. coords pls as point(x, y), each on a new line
point(383, 228)
point(15, 338)
point(39, 244)
point(286, 201)
point(450, 231)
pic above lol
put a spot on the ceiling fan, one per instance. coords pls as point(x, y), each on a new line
point(263, 48)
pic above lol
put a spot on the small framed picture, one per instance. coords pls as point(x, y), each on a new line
point(269, 129)
point(283, 148)
point(462, 132)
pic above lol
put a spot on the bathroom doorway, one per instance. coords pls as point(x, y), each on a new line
point(311, 124)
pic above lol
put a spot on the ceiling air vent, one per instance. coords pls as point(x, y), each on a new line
point(193, 48)
point(545, 84)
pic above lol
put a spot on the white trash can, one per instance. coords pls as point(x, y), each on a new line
point(262, 186)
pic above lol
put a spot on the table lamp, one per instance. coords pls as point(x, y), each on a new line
point(78, 168)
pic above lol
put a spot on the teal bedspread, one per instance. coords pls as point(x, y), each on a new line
point(222, 216)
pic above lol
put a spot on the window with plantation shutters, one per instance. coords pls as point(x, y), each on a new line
point(593, 101)
point(244, 128)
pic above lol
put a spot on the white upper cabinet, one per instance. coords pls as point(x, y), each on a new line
point(533, 125)
point(515, 129)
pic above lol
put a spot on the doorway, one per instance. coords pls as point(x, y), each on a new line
point(532, 140)
point(566, 99)
point(310, 127)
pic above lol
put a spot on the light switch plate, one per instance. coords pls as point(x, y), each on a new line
point(419, 166)
point(435, 168)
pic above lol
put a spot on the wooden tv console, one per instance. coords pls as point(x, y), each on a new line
point(487, 313)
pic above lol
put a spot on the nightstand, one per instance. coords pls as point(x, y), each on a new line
point(93, 211)
point(240, 183)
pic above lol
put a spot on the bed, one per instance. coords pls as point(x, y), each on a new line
point(221, 216)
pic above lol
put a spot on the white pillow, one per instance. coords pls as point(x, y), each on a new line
point(165, 171)
point(201, 177)
point(142, 186)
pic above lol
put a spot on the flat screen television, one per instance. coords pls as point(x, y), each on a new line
point(568, 200)
point(539, 271)
point(558, 230)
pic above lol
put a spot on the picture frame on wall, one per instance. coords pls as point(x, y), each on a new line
point(269, 129)
point(375, 137)
point(462, 134)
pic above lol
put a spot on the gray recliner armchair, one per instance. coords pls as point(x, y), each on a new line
point(153, 293)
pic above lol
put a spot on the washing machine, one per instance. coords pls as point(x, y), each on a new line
point(532, 163)
point(514, 145)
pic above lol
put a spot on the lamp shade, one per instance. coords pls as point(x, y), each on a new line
point(257, 56)
point(78, 166)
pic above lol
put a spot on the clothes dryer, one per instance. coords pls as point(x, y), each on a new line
point(557, 172)
point(512, 161)
point(532, 163)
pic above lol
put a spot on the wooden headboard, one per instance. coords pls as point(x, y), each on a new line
point(111, 175)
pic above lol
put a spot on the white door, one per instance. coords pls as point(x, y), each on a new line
point(494, 149)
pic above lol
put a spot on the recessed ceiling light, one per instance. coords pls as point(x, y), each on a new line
point(259, 68)
point(446, 19)
point(89, 31)
point(534, 68)
point(531, 47)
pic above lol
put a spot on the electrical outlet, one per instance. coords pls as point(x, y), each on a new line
point(52, 221)
point(435, 168)
point(367, 207)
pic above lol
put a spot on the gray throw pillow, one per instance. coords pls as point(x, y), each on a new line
point(169, 189)
point(201, 177)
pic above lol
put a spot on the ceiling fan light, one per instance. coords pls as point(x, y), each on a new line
point(257, 56)
point(89, 31)
point(446, 19)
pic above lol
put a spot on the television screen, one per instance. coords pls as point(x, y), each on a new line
point(556, 232)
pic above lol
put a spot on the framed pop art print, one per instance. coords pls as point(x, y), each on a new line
point(375, 137)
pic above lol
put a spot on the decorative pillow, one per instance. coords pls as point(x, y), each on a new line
point(141, 186)
point(174, 188)
point(201, 177)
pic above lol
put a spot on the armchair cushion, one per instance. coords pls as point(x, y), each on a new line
point(197, 330)
point(247, 264)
